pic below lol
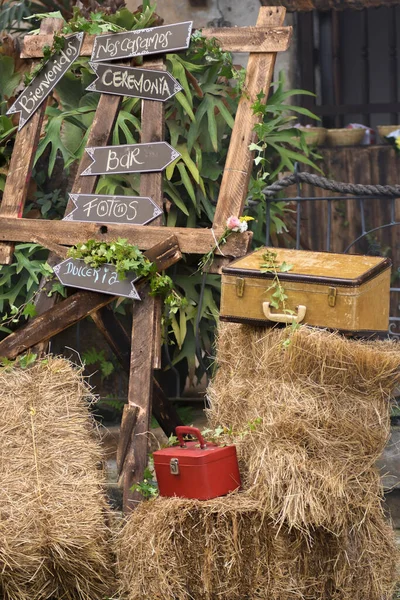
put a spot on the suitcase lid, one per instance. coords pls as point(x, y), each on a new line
point(312, 267)
point(192, 454)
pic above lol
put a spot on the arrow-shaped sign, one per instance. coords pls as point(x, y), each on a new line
point(40, 87)
point(130, 158)
point(130, 210)
point(137, 83)
point(155, 40)
point(74, 272)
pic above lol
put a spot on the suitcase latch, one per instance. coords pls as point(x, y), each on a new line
point(174, 466)
point(332, 293)
point(240, 286)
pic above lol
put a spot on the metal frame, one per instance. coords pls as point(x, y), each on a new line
point(329, 199)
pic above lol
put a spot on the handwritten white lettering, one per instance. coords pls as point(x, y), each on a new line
point(103, 275)
point(40, 87)
point(109, 208)
point(125, 160)
point(133, 45)
point(153, 85)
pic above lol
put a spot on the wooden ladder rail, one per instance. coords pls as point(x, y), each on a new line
point(231, 201)
point(21, 163)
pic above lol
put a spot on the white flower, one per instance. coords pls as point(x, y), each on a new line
point(243, 227)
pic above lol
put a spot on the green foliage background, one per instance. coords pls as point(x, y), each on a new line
point(199, 120)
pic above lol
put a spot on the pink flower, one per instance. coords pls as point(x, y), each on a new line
point(233, 223)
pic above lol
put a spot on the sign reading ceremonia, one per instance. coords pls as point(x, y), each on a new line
point(130, 158)
point(155, 40)
point(148, 84)
point(95, 208)
point(41, 86)
point(74, 272)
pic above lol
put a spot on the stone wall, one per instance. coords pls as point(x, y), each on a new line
point(217, 13)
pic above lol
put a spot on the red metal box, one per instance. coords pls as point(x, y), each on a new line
point(196, 469)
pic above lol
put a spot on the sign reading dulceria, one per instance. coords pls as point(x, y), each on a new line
point(41, 86)
point(74, 272)
point(155, 40)
point(148, 84)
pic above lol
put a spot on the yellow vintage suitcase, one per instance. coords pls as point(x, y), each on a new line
point(346, 292)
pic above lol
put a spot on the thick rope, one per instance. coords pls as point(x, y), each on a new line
point(355, 189)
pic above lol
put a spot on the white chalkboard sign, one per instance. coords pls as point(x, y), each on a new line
point(130, 158)
point(74, 272)
point(147, 84)
point(41, 86)
point(97, 208)
point(155, 40)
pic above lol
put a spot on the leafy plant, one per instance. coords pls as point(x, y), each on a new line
point(128, 258)
point(24, 361)
point(20, 280)
point(148, 487)
point(92, 356)
point(278, 296)
point(125, 257)
point(270, 265)
point(199, 121)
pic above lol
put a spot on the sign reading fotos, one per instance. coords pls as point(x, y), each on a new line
point(95, 208)
point(41, 86)
point(138, 83)
point(74, 272)
point(155, 40)
point(130, 158)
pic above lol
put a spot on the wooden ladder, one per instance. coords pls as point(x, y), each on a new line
point(139, 353)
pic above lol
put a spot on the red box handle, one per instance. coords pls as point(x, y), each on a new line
point(182, 429)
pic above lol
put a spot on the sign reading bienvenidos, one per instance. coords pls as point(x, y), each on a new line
point(95, 208)
point(74, 272)
point(41, 86)
point(130, 158)
point(138, 83)
point(156, 40)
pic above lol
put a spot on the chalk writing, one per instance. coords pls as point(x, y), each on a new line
point(137, 83)
point(74, 272)
point(155, 40)
point(130, 158)
point(92, 208)
point(40, 87)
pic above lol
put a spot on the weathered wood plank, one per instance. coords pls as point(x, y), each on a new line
point(239, 161)
point(146, 334)
point(140, 395)
point(231, 39)
point(20, 169)
point(77, 307)
point(151, 184)
point(305, 5)
point(68, 233)
point(126, 438)
point(251, 39)
point(100, 135)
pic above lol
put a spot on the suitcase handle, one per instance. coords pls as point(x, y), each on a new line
point(182, 429)
point(284, 318)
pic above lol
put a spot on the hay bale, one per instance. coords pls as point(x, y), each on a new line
point(226, 548)
point(54, 540)
point(323, 412)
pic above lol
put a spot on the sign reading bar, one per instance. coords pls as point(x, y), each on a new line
point(95, 208)
point(74, 272)
point(156, 40)
point(40, 87)
point(137, 83)
point(130, 158)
